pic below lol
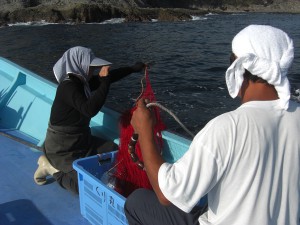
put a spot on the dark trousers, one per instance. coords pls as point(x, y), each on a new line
point(143, 208)
point(69, 180)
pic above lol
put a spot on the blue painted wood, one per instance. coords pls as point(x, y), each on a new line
point(24, 202)
point(25, 105)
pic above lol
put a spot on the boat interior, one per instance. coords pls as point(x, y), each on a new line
point(25, 105)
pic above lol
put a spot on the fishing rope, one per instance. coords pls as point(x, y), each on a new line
point(171, 114)
point(129, 171)
point(151, 104)
point(130, 174)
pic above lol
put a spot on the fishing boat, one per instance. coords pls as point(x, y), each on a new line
point(25, 103)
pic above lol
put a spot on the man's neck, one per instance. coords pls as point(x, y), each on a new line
point(259, 92)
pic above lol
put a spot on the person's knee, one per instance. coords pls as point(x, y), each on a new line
point(134, 200)
point(134, 206)
point(131, 200)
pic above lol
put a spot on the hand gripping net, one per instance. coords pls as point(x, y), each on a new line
point(129, 175)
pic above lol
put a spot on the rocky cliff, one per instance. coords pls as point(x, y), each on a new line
point(82, 11)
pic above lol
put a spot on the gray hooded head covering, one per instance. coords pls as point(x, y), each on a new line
point(266, 52)
point(77, 61)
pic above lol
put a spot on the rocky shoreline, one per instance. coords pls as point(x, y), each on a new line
point(87, 12)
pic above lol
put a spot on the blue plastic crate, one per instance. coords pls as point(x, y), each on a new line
point(100, 204)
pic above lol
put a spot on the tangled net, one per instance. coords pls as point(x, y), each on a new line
point(129, 176)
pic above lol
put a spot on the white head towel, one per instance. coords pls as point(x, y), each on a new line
point(77, 61)
point(266, 52)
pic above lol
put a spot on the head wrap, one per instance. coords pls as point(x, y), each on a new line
point(77, 61)
point(266, 52)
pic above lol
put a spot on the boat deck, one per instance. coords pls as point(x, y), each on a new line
point(24, 202)
point(25, 105)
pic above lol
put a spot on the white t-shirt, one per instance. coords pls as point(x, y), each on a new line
point(247, 161)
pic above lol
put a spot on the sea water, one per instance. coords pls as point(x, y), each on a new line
point(188, 59)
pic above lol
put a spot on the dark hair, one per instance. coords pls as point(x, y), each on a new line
point(253, 78)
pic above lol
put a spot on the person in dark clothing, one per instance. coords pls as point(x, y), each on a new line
point(79, 97)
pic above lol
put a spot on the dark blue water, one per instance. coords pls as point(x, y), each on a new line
point(190, 58)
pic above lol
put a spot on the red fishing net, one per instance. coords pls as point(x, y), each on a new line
point(128, 175)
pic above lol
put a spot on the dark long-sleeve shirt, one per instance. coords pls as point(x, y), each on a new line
point(71, 107)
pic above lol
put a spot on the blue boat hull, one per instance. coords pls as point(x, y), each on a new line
point(25, 104)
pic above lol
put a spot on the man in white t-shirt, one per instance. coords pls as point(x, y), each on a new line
point(246, 161)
